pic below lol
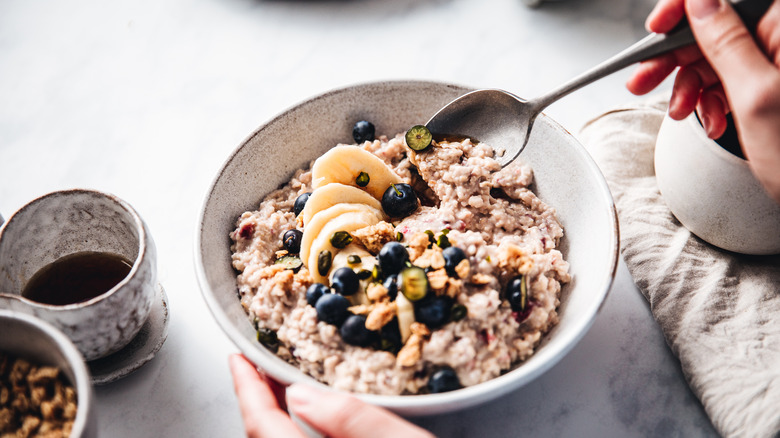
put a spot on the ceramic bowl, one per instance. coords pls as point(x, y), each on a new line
point(39, 342)
point(71, 221)
point(712, 192)
point(566, 178)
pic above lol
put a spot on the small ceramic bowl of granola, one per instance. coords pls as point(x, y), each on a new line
point(48, 376)
point(514, 263)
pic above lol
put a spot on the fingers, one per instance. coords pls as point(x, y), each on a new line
point(712, 109)
point(768, 33)
point(689, 84)
point(261, 413)
point(728, 46)
point(665, 15)
point(652, 72)
point(341, 415)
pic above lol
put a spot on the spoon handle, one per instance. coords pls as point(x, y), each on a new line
point(750, 11)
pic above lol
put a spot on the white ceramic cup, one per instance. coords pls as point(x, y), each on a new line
point(72, 221)
point(713, 192)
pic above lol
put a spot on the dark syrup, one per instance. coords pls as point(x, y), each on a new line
point(76, 278)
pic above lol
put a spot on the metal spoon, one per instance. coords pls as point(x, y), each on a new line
point(504, 120)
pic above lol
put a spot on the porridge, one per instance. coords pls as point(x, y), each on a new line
point(402, 265)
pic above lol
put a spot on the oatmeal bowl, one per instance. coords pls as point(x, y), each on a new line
point(343, 245)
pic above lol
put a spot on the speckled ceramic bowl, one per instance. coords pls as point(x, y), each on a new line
point(712, 192)
point(39, 342)
point(566, 178)
point(71, 221)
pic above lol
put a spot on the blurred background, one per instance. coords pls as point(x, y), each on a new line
point(147, 98)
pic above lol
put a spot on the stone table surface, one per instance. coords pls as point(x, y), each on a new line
point(146, 99)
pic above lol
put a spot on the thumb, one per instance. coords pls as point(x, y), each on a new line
point(341, 415)
point(727, 44)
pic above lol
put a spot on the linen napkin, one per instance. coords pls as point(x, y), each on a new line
point(719, 311)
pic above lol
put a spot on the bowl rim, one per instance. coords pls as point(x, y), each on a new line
point(83, 383)
point(542, 360)
point(711, 145)
point(133, 216)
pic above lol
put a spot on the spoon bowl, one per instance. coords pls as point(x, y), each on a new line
point(504, 121)
point(492, 116)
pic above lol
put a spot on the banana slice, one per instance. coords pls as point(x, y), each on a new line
point(333, 194)
point(349, 222)
point(342, 164)
point(318, 221)
point(367, 262)
point(405, 314)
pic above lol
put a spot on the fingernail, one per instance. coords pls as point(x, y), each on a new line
point(705, 122)
point(673, 106)
point(300, 395)
point(651, 16)
point(704, 8)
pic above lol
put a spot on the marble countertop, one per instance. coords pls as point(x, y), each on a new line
point(147, 98)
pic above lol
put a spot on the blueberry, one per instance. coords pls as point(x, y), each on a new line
point(354, 331)
point(332, 308)
point(300, 202)
point(391, 284)
point(517, 293)
point(390, 337)
point(392, 258)
point(452, 257)
point(433, 312)
point(443, 380)
point(399, 200)
point(315, 291)
point(292, 241)
point(345, 281)
point(363, 131)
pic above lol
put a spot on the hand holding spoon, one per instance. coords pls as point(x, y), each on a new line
point(504, 120)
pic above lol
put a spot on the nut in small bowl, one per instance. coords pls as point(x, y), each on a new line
point(45, 380)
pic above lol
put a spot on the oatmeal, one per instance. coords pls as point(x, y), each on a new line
point(389, 270)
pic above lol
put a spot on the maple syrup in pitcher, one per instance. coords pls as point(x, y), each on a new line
point(76, 278)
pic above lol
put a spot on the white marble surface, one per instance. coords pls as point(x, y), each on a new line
point(146, 98)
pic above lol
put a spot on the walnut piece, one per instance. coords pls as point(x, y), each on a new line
point(418, 243)
point(377, 292)
point(512, 258)
point(374, 237)
point(463, 268)
point(382, 313)
point(438, 279)
point(430, 258)
point(480, 279)
point(453, 287)
point(411, 352)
